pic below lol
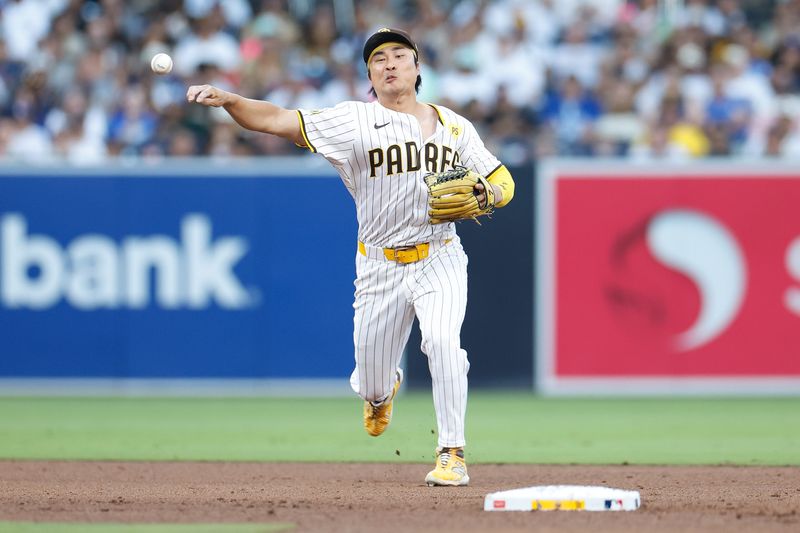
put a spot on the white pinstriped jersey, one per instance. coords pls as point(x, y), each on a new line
point(381, 157)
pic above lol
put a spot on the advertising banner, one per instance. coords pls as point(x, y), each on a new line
point(669, 278)
point(184, 271)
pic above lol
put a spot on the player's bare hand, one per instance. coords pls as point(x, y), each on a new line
point(479, 194)
point(208, 95)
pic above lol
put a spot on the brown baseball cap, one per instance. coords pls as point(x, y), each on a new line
point(388, 35)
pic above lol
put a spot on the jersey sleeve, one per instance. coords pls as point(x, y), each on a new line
point(330, 132)
point(474, 154)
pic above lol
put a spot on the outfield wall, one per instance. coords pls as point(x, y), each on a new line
point(235, 277)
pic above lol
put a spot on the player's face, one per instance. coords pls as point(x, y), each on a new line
point(393, 71)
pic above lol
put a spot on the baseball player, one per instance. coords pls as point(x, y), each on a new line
point(394, 155)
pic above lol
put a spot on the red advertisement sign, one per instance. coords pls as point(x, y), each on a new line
point(669, 279)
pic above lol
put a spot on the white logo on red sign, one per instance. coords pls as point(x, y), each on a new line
point(705, 251)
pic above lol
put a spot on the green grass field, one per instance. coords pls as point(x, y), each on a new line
point(502, 428)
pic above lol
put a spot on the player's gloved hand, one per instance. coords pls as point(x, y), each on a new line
point(458, 194)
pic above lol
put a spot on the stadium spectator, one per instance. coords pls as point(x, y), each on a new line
point(133, 124)
point(571, 113)
point(207, 43)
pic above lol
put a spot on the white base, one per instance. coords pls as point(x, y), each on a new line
point(563, 498)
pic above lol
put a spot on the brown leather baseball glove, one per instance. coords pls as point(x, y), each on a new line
point(452, 195)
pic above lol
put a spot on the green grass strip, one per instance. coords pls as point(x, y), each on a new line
point(501, 428)
point(79, 527)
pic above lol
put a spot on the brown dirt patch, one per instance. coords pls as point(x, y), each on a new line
point(382, 497)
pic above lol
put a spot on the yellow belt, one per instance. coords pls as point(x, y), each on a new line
point(403, 254)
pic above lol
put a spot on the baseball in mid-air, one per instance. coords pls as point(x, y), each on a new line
point(161, 63)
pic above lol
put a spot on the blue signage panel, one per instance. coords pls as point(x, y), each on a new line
point(143, 276)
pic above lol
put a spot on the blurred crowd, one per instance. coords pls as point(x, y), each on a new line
point(641, 79)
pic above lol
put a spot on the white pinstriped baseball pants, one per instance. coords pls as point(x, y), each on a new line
point(387, 297)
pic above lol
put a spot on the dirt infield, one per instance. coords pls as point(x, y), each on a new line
point(393, 497)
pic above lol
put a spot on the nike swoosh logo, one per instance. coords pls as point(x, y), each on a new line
point(377, 127)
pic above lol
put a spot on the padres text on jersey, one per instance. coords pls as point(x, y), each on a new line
point(409, 158)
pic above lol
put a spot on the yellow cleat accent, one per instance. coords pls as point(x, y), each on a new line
point(377, 417)
point(451, 469)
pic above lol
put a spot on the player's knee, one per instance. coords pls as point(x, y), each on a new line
point(375, 394)
point(439, 344)
point(373, 390)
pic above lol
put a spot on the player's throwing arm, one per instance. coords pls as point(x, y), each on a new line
point(255, 115)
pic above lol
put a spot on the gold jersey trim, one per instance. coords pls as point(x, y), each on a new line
point(438, 114)
point(303, 132)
